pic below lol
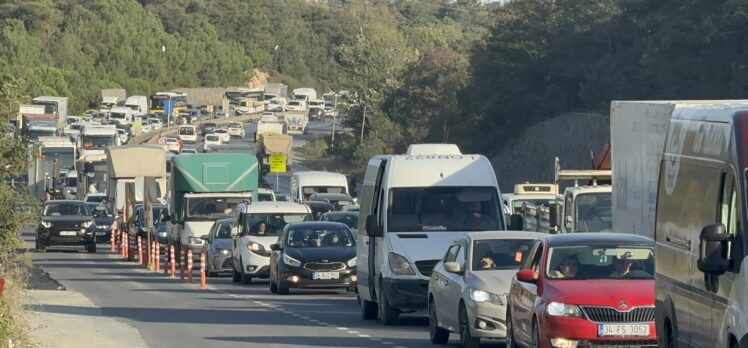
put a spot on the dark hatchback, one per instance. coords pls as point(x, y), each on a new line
point(318, 208)
point(103, 218)
point(207, 128)
point(66, 222)
point(313, 255)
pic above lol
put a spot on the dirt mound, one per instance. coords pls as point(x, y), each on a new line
point(569, 136)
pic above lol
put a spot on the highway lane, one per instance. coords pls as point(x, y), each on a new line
point(169, 312)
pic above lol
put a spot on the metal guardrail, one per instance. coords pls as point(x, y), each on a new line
point(152, 137)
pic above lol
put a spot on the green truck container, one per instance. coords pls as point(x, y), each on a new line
point(207, 187)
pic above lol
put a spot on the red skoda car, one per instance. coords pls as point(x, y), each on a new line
point(583, 290)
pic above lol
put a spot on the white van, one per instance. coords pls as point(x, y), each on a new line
point(251, 245)
point(304, 184)
point(411, 209)
point(188, 133)
point(701, 275)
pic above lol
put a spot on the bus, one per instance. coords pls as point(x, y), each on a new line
point(166, 102)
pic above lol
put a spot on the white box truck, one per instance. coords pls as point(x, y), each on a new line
point(111, 97)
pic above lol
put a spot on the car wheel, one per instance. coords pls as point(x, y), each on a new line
point(670, 341)
point(436, 334)
point(387, 314)
point(350, 289)
point(368, 309)
point(535, 335)
point(40, 247)
point(466, 338)
point(510, 342)
point(91, 248)
point(246, 279)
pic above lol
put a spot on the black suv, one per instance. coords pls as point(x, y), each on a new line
point(66, 222)
point(208, 128)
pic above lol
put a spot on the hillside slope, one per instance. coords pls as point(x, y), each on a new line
point(570, 136)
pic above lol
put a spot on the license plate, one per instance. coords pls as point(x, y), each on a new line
point(622, 330)
point(101, 233)
point(68, 233)
point(325, 275)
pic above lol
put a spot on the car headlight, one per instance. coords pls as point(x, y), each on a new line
point(485, 296)
point(352, 262)
point(291, 261)
point(255, 247)
point(46, 224)
point(102, 227)
point(225, 252)
point(194, 240)
point(163, 234)
point(87, 224)
point(557, 309)
point(400, 265)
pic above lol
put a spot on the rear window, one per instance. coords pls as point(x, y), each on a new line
point(211, 137)
point(186, 131)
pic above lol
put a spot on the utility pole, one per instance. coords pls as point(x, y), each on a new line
point(363, 124)
point(332, 140)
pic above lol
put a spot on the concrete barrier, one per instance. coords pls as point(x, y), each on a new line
point(152, 137)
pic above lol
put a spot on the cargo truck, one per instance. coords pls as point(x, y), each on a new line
point(270, 124)
point(51, 154)
point(112, 97)
point(96, 138)
point(92, 173)
point(205, 188)
point(296, 122)
point(304, 94)
point(273, 143)
point(56, 106)
point(127, 163)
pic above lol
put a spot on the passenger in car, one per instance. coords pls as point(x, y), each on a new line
point(567, 268)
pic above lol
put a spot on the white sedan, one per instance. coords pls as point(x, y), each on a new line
point(173, 145)
point(211, 141)
point(223, 133)
point(236, 129)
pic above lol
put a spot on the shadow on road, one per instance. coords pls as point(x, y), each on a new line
point(318, 341)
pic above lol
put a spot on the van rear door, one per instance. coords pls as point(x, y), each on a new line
point(371, 198)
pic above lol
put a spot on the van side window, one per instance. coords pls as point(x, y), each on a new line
point(568, 204)
point(730, 214)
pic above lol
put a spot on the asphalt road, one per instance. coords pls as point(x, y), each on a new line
point(168, 312)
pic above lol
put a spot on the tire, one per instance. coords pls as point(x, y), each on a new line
point(350, 289)
point(388, 315)
point(273, 286)
point(436, 334)
point(246, 279)
point(535, 343)
point(510, 341)
point(40, 246)
point(669, 340)
point(368, 309)
point(91, 248)
point(466, 338)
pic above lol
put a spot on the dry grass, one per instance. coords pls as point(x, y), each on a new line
point(13, 325)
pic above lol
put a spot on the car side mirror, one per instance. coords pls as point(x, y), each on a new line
point(165, 217)
point(372, 227)
point(454, 267)
point(554, 215)
point(714, 243)
point(527, 276)
point(275, 247)
point(515, 222)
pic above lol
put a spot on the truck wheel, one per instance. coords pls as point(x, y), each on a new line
point(388, 315)
point(368, 309)
point(91, 248)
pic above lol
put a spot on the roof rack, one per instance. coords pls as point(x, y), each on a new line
point(579, 174)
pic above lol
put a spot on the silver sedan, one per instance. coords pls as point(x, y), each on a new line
point(469, 286)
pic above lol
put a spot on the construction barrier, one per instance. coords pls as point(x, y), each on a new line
point(157, 256)
point(182, 264)
point(131, 248)
point(189, 266)
point(140, 250)
point(202, 270)
point(113, 237)
point(171, 261)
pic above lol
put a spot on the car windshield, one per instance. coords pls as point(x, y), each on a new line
point(600, 262)
point(594, 212)
point(517, 204)
point(97, 199)
point(186, 131)
point(100, 210)
point(66, 209)
point(265, 197)
point(443, 209)
point(207, 207)
point(222, 131)
point(499, 253)
point(223, 230)
point(350, 220)
point(97, 142)
point(308, 191)
point(271, 224)
point(302, 237)
point(235, 125)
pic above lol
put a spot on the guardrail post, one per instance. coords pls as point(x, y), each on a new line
point(202, 270)
point(157, 255)
point(140, 250)
point(113, 237)
point(189, 266)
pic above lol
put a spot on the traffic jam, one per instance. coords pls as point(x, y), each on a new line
point(615, 255)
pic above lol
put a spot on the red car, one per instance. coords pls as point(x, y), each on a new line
point(581, 290)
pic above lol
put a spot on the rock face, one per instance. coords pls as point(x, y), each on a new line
point(569, 136)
